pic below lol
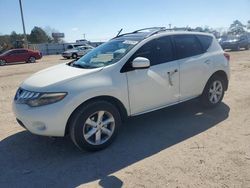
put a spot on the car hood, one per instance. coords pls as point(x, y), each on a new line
point(55, 75)
point(231, 40)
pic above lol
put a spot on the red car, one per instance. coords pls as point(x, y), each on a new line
point(19, 55)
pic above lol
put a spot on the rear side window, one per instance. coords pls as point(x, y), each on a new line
point(205, 41)
point(187, 46)
point(157, 51)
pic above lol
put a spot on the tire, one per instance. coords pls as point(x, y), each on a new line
point(247, 47)
point(74, 56)
point(212, 97)
point(2, 62)
point(94, 136)
point(32, 59)
point(237, 48)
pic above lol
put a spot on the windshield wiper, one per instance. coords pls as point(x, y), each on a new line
point(82, 66)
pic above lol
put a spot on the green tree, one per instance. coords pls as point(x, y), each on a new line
point(248, 24)
point(38, 35)
point(236, 28)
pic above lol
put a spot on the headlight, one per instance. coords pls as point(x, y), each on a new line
point(34, 99)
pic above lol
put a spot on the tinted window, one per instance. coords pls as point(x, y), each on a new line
point(22, 51)
point(205, 41)
point(187, 45)
point(157, 51)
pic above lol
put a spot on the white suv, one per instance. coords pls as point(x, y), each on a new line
point(132, 74)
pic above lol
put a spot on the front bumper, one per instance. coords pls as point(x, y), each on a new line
point(230, 45)
point(48, 120)
point(66, 55)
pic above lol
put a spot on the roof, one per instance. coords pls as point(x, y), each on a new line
point(147, 32)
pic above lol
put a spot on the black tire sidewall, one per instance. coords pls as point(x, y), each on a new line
point(74, 56)
point(205, 95)
point(31, 58)
point(2, 62)
point(80, 116)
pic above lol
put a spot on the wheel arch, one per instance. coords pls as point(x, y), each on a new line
point(116, 102)
point(223, 75)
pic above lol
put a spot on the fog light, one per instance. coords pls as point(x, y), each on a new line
point(39, 126)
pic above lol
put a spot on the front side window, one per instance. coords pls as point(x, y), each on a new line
point(158, 51)
point(187, 46)
point(106, 54)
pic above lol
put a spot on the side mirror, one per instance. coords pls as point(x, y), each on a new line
point(141, 63)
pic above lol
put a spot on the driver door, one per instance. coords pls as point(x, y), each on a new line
point(158, 85)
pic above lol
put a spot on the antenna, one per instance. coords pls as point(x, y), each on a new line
point(119, 32)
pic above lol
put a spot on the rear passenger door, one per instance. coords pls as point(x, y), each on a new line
point(194, 63)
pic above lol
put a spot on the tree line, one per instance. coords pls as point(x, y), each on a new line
point(39, 35)
point(36, 36)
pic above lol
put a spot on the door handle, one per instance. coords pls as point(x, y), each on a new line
point(170, 74)
point(207, 61)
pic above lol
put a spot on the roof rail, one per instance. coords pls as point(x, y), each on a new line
point(150, 28)
point(154, 30)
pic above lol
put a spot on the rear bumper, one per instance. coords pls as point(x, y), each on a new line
point(231, 45)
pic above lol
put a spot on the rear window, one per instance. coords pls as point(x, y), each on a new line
point(205, 41)
point(187, 46)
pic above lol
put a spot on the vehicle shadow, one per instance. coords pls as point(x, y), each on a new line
point(16, 63)
point(28, 160)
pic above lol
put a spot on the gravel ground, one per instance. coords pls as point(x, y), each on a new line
point(180, 146)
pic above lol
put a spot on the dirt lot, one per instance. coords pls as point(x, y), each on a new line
point(181, 146)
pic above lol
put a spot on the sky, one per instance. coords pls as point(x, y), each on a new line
point(100, 20)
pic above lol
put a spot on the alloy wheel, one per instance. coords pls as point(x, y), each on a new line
point(2, 62)
point(32, 60)
point(99, 127)
point(215, 92)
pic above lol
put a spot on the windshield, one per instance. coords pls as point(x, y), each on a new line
point(106, 54)
point(6, 52)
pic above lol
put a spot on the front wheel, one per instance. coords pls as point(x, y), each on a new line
point(74, 56)
point(95, 125)
point(213, 92)
point(32, 60)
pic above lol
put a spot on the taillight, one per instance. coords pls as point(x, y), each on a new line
point(227, 56)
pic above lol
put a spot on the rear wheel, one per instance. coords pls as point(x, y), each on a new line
point(237, 48)
point(247, 47)
point(74, 55)
point(32, 60)
point(95, 125)
point(213, 92)
point(2, 62)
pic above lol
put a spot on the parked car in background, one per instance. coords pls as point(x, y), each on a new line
point(235, 42)
point(77, 52)
point(132, 74)
point(19, 55)
point(73, 46)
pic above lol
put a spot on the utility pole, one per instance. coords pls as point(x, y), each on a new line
point(24, 32)
point(84, 35)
